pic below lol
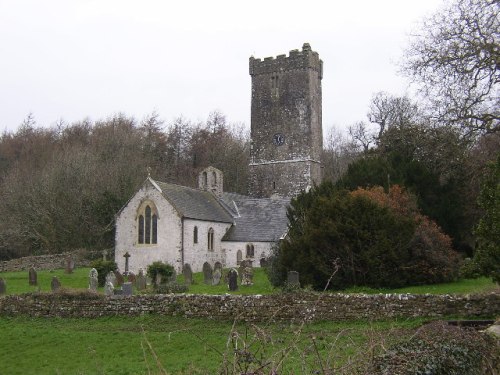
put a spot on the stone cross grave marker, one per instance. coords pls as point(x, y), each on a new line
point(293, 278)
point(32, 276)
point(207, 273)
point(216, 277)
point(70, 265)
point(111, 278)
point(140, 281)
point(126, 256)
point(109, 288)
point(233, 280)
point(93, 279)
point(188, 274)
point(3, 286)
point(104, 255)
point(55, 284)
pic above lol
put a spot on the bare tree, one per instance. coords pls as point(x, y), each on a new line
point(361, 135)
point(456, 59)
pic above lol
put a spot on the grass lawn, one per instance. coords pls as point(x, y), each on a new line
point(17, 282)
point(145, 345)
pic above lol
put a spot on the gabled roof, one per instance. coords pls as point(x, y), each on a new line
point(194, 204)
point(256, 219)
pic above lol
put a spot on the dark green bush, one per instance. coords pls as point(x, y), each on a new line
point(440, 349)
point(103, 267)
point(165, 270)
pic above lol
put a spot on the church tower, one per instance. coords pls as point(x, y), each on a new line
point(286, 129)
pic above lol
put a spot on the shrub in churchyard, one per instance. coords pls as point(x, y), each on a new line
point(165, 270)
point(378, 241)
point(103, 267)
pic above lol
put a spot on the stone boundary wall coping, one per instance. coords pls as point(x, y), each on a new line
point(285, 307)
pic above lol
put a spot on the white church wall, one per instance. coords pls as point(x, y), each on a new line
point(196, 254)
point(261, 250)
point(169, 233)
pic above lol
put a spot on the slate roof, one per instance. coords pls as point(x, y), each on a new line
point(195, 204)
point(258, 219)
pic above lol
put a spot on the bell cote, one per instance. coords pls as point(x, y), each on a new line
point(211, 179)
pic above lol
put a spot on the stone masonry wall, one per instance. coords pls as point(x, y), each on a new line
point(82, 258)
point(289, 307)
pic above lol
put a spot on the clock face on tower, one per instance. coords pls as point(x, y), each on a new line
point(278, 139)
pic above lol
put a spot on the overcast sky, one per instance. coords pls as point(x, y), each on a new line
point(93, 58)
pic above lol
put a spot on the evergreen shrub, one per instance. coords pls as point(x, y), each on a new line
point(103, 267)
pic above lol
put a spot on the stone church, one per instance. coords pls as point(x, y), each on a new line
point(181, 225)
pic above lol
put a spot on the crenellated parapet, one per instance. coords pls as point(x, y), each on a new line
point(296, 60)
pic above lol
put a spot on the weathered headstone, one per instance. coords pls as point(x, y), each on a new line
point(233, 280)
point(119, 278)
point(188, 274)
point(32, 275)
point(263, 262)
point(247, 277)
point(293, 279)
point(140, 280)
point(127, 289)
point(207, 273)
point(111, 278)
point(131, 277)
point(70, 265)
point(158, 279)
point(109, 288)
point(93, 279)
point(55, 284)
point(216, 276)
point(104, 255)
point(3, 286)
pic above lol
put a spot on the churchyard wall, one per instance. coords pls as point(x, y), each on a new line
point(82, 258)
point(288, 306)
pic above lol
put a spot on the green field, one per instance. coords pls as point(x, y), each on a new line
point(17, 282)
point(148, 344)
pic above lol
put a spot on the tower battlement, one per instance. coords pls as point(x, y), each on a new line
point(296, 60)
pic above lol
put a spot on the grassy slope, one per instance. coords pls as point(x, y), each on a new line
point(17, 282)
point(118, 346)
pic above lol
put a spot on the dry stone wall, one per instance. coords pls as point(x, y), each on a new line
point(289, 307)
point(82, 258)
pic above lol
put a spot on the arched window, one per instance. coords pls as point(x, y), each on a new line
point(195, 235)
point(239, 257)
point(147, 225)
point(214, 179)
point(205, 179)
point(210, 239)
point(250, 251)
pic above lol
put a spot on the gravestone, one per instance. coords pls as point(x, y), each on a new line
point(233, 280)
point(188, 274)
point(127, 289)
point(32, 276)
point(111, 278)
point(126, 256)
point(158, 279)
point(293, 279)
point(104, 255)
point(55, 284)
point(140, 280)
point(241, 268)
point(109, 288)
point(247, 277)
point(263, 262)
point(131, 277)
point(3, 286)
point(207, 273)
point(119, 278)
point(70, 265)
point(93, 279)
point(216, 276)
